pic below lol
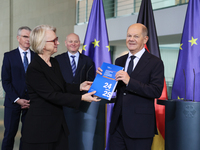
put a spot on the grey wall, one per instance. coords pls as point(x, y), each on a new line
point(16, 13)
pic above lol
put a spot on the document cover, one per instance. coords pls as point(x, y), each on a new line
point(105, 84)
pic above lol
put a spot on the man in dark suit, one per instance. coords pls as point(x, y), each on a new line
point(17, 100)
point(84, 71)
point(133, 122)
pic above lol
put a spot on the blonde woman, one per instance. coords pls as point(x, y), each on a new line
point(45, 127)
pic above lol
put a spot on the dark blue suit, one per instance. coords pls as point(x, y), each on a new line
point(85, 71)
point(13, 81)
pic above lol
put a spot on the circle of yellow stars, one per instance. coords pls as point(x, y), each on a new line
point(95, 43)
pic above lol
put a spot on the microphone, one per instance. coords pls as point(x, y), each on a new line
point(87, 74)
point(81, 74)
point(194, 85)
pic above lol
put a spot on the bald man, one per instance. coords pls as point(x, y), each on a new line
point(84, 71)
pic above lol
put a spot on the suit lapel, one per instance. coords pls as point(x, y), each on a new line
point(32, 54)
point(122, 63)
point(80, 66)
point(141, 64)
point(19, 60)
point(68, 65)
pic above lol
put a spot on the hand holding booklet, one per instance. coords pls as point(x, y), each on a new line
point(105, 84)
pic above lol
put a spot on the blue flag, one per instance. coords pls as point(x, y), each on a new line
point(187, 78)
point(96, 46)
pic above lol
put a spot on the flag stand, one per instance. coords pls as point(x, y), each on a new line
point(182, 124)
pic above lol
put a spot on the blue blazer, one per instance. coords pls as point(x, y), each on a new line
point(13, 78)
point(135, 102)
point(85, 70)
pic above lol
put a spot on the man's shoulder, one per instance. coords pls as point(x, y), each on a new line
point(60, 55)
point(86, 57)
point(122, 57)
point(11, 51)
point(153, 57)
point(11, 54)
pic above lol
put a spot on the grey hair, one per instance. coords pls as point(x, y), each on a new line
point(22, 28)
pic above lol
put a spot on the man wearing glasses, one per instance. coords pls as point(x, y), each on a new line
point(17, 101)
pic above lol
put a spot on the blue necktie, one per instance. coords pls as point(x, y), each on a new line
point(25, 61)
point(130, 66)
point(73, 64)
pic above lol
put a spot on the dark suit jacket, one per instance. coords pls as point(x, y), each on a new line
point(13, 78)
point(85, 70)
point(48, 93)
point(135, 101)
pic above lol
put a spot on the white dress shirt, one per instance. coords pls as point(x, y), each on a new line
point(28, 55)
point(138, 55)
point(75, 58)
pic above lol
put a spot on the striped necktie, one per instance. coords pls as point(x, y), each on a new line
point(73, 64)
point(25, 63)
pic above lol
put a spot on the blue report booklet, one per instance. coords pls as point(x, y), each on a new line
point(105, 84)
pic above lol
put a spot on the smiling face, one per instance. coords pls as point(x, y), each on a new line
point(23, 39)
point(51, 42)
point(72, 43)
point(136, 38)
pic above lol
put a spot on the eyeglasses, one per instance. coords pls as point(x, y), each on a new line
point(24, 36)
point(55, 41)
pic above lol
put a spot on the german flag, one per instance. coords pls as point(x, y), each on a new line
point(146, 17)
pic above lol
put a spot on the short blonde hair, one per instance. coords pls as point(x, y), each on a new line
point(38, 37)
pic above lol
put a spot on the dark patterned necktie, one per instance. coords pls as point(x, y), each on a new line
point(73, 64)
point(25, 61)
point(131, 64)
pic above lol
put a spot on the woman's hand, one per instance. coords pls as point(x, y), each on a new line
point(88, 97)
point(85, 86)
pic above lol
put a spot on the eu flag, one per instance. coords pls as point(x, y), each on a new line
point(187, 77)
point(96, 46)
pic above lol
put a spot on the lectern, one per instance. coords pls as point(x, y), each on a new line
point(182, 124)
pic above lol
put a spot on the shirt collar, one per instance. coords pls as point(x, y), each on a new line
point(77, 54)
point(138, 54)
point(21, 50)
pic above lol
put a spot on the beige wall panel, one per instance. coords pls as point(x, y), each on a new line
point(4, 28)
point(16, 13)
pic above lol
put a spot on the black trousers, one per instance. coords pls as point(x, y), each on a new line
point(61, 144)
point(121, 141)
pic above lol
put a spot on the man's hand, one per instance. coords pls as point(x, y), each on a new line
point(123, 76)
point(25, 104)
point(99, 71)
